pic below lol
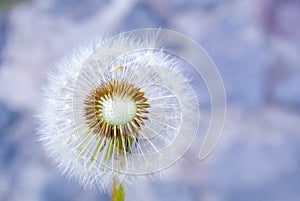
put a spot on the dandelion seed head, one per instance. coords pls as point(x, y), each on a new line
point(117, 107)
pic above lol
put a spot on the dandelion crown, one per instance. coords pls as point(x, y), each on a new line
point(121, 107)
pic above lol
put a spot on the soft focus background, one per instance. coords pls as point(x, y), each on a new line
point(254, 43)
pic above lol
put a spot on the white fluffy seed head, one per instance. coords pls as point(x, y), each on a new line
point(135, 145)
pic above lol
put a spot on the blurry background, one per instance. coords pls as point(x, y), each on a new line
point(254, 43)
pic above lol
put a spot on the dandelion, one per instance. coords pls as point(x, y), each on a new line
point(117, 110)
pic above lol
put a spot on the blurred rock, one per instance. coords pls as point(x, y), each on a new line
point(286, 94)
point(76, 10)
point(281, 18)
point(8, 118)
point(283, 77)
point(144, 15)
point(8, 150)
point(176, 191)
point(3, 29)
point(185, 5)
point(59, 189)
point(257, 158)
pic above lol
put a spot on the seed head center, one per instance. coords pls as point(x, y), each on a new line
point(116, 108)
point(119, 110)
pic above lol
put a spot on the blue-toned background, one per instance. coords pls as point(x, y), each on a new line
point(254, 43)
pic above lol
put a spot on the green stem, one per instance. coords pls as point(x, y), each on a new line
point(117, 190)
